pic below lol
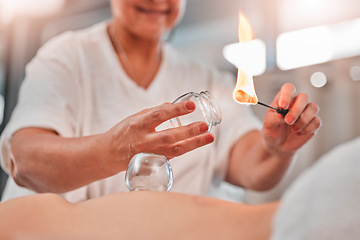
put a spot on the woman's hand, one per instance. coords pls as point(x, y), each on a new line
point(259, 160)
point(137, 133)
point(287, 134)
point(44, 161)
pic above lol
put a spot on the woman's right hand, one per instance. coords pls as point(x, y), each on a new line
point(137, 134)
point(44, 161)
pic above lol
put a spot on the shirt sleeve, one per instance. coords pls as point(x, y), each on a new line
point(48, 94)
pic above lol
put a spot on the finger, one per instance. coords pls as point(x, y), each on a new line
point(306, 117)
point(190, 144)
point(286, 95)
point(311, 128)
point(165, 112)
point(297, 109)
point(174, 135)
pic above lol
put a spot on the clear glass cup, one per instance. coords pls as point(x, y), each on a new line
point(207, 110)
point(148, 171)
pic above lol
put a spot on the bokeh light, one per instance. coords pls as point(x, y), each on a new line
point(318, 79)
point(12, 8)
point(304, 47)
point(355, 73)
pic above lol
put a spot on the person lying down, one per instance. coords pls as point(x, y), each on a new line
point(133, 215)
point(321, 204)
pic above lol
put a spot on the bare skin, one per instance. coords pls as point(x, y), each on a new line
point(46, 162)
point(59, 159)
point(134, 215)
point(260, 159)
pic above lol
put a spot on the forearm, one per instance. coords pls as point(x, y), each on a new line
point(255, 166)
point(267, 168)
point(137, 215)
point(46, 162)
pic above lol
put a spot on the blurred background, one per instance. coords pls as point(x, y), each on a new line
point(313, 44)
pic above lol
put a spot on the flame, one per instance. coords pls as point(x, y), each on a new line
point(244, 91)
point(245, 31)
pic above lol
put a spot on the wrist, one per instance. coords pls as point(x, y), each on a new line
point(113, 155)
point(273, 148)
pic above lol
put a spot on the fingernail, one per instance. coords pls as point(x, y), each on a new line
point(283, 105)
point(209, 138)
point(190, 105)
point(204, 127)
point(290, 120)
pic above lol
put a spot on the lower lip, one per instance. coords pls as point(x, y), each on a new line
point(152, 13)
point(155, 14)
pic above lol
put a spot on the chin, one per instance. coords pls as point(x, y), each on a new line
point(153, 33)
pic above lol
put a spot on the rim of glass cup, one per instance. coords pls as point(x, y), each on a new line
point(214, 106)
point(213, 113)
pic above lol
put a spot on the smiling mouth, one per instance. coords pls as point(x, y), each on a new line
point(152, 11)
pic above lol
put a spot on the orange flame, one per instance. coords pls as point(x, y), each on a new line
point(244, 91)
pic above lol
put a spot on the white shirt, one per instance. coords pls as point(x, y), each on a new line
point(323, 203)
point(76, 86)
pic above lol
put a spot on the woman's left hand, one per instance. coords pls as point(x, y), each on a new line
point(287, 134)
